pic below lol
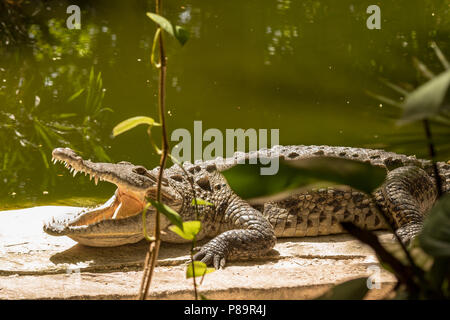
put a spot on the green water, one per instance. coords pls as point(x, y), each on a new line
point(303, 67)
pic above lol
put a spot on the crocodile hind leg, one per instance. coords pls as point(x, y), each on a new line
point(251, 235)
point(406, 196)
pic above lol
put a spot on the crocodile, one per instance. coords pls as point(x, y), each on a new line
point(234, 226)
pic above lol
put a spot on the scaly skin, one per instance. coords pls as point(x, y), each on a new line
point(237, 228)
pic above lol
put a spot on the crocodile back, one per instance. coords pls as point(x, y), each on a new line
point(381, 158)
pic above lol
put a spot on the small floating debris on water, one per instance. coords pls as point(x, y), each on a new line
point(45, 192)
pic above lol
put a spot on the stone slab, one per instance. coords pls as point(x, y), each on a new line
point(34, 265)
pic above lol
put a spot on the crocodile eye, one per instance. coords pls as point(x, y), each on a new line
point(140, 170)
point(124, 162)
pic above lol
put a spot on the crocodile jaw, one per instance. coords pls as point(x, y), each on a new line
point(116, 222)
point(119, 220)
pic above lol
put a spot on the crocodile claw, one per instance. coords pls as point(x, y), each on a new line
point(209, 257)
point(197, 249)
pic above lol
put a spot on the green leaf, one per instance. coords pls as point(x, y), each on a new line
point(189, 231)
point(44, 158)
point(200, 269)
point(131, 123)
point(167, 211)
point(358, 175)
point(354, 289)
point(383, 99)
point(422, 68)
point(435, 236)
point(65, 115)
point(75, 95)
point(106, 109)
point(246, 180)
point(178, 32)
point(41, 130)
point(428, 100)
point(201, 202)
point(100, 153)
point(440, 55)
point(437, 273)
point(64, 127)
point(396, 87)
point(181, 34)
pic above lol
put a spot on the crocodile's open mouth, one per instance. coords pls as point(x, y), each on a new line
point(121, 205)
point(128, 201)
point(118, 221)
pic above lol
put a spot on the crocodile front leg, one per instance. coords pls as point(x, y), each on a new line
point(251, 235)
point(407, 196)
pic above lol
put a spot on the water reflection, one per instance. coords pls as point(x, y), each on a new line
point(301, 66)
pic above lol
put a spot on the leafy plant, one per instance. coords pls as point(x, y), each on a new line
point(354, 289)
point(246, 181)
point(425, 273)
point(435, 236)
point(429, 276)
point(31, 129)
point(93, 109)
point(415, 280)
point(188, 229)
point(422, 270)
point(432, 95)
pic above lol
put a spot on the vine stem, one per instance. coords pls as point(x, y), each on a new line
point(152, 253)
point(193, 269)
point(432, 153)
point(196, 217)
point(391, 226)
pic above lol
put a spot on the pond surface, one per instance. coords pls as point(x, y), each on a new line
point(304, 67)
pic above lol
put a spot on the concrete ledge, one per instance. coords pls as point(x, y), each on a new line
point(34, 265)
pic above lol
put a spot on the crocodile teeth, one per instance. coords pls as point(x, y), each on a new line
point(75, 172)
point(96, 180)
point(117, 210)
